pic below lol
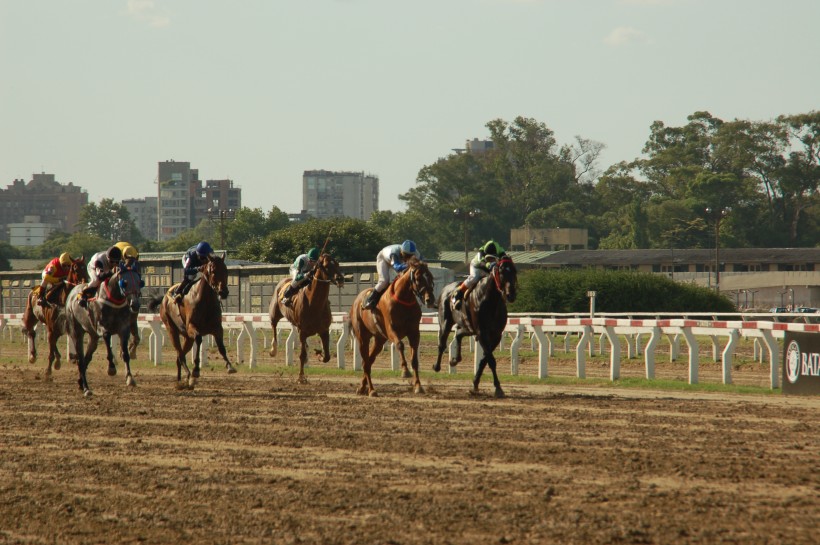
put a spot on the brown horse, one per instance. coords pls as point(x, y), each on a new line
point(396, 316)
point(199, 313)
point(309, 312)
point(483, 314)
point(52, 315)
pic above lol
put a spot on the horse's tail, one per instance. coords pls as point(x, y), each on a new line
point(153, 304)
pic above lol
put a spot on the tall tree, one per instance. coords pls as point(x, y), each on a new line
point(109, 220)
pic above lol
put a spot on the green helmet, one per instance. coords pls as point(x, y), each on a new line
point(491, 248)
point(313, 254)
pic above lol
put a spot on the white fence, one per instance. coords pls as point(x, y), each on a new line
point(642, 335)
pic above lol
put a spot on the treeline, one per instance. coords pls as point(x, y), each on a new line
point(756, 181)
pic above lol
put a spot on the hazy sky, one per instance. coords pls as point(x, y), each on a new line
point(98, 91)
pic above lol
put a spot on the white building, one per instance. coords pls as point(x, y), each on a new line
point(32, 232)
point(328, 194)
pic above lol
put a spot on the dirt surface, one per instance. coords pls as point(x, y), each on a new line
point(256, 458)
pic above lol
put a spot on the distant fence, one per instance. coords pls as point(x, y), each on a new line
point(600, 335)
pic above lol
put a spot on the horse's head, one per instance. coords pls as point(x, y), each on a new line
point(327, 269)
point(216, 274)
point(77, 273)
point(129, 286)
point(422, 281)
point(506, 278)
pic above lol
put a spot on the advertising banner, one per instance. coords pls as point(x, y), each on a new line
point(801, 363)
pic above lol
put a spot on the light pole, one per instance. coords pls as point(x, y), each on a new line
point(216, 214)
point(466, 215)
point(717, 216)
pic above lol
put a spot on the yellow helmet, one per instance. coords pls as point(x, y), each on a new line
point(130, 252)
point(65, 259)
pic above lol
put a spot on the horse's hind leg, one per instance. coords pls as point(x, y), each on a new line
point(499, 393)
point(324, 353)
point(443, 335)
point(459, 336)
point(134, 340)
point(413, 339)
point(481, 364)
point(302, 359)
point(405, 371)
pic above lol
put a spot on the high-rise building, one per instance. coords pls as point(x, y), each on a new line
point(328, 194)
point(144, 214)
point(184, 202)
point(56, 204)
point(177, 183)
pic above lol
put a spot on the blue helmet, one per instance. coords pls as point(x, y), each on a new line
point(203, 249)
point(408, 247)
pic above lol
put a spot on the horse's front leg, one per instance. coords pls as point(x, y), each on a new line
point(53, 353)
point(197, 348)
point(366, 387)
point(134, 339)
point(481, 364)
point(31, 337)
point(405, 371)
point(126, 357)
point(324, 354)
point(220, 345)
point(112, 369)
point(182, 353)
point(460, 334)
point(413, 339)
point(83, 359)
point(302, 359)
point(499, 393)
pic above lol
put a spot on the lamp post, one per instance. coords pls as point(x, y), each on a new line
point(717, 216)
point(216, 214)
point(466, 215)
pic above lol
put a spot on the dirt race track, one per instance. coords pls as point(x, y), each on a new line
point(256, 458)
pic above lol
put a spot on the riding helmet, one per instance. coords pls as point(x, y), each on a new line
point(313, 254)
point(408, 247)
point(114, 254)
point(203, 249)
point(65, 259)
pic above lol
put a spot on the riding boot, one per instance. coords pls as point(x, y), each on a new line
point(179, 293)
point(372, 299)
point(287, 300)
point(458, 297)
point(86, 294)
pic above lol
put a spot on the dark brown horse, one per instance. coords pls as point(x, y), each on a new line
point(396, 316)
point(52, 315)
point(483, 314)
point(309, 312)
point(109, 313)
point(199, 313)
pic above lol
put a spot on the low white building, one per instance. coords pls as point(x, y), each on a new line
point(32, 232)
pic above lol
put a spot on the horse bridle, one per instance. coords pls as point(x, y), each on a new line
point(209, 272)
point(320, 267)
point(497, 272)
point(418, 292)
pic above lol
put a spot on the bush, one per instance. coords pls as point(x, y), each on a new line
point(541, 290)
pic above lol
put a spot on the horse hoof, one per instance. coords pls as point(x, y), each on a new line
point(130, 381)
point(112, 371)
point(302, 379)
point(406, 374)
point(87, 393)
point(361, 391)
point(180, 386)
point(437, 367)
point(499, 393)
point(373, 393)
point(195, 374)
point(453, 363)
point(273, 352)
point(32, 359)
point(133, 354)
point(57, 365)
point(231, 370)
point(418, 389)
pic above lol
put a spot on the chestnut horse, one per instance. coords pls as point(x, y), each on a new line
point(309, 312)
point(483, 313)
point(110, 313)
point(396, 316)
point(199, 313)
point(52, 315)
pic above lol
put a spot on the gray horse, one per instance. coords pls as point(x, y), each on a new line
point(109, 313)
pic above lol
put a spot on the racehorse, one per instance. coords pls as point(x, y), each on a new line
point(483, 313)
point(107, 314)
point(52, 315)
point(395, 316)
point(309, 312)
point(199, 313)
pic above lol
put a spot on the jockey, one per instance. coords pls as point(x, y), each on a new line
point(481, 265)
point(101, 267)
point(194, 258)
point(301, 273)
point(396, 256)
point(130, 255)
point(54, 273)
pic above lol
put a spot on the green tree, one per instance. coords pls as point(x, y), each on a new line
point(109, 221)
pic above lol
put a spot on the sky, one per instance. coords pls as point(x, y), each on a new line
point(97, 92)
